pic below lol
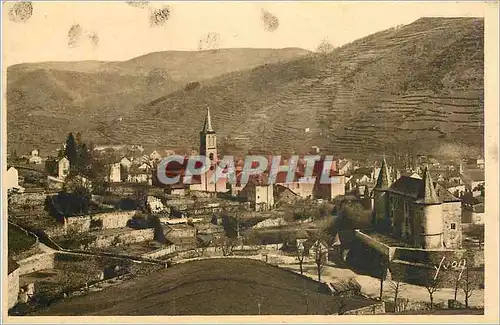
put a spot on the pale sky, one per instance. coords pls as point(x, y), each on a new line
point(124, 31)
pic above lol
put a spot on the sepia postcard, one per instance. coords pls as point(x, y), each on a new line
point(250, 162)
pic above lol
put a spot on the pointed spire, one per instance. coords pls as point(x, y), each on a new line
point(384, 178)
point(207, 127)
point(366, 194)
point(427, 193)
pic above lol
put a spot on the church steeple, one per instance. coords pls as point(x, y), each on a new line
point(208, 139)
point(207, 126)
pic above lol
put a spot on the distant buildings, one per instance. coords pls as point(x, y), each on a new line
point(34, 157)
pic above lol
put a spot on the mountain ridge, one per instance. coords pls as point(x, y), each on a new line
point(417, 86)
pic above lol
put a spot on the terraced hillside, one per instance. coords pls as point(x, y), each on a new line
point(49, 99)
point(418, 86)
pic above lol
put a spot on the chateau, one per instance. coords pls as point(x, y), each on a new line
point(419, 212)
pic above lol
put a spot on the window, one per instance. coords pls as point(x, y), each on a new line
point(453, 226)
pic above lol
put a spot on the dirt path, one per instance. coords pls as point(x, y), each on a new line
point(371, 286)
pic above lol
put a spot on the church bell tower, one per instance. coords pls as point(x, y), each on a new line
point(208, 139)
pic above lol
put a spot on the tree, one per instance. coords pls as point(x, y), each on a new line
point(226, 245)
point(301, 256)
point(383, 275)
point(325, 47)
point(396, 287)
point(71, 150)
point(471, 279)
point(432, 285)
point(141, 196)
point(320, 256)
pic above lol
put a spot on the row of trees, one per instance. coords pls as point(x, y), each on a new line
point(468, 279)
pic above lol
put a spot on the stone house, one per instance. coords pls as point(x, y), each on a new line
point(259, 192)
point(125, 163)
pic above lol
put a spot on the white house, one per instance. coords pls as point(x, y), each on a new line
point(115, 173)
point(12, 180)
point(63, 168)
point(155, 156)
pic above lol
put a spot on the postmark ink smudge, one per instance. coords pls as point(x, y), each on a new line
point(21, 11)
point(74, 35)
point(94, 39)
point(271, 22)
point(159, 16)
point(138, 4)
point(209, 41)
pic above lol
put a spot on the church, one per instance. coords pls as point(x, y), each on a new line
point(208, 148)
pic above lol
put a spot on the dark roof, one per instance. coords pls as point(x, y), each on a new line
point(422, 190)
point(474, 175)
point(478, 208)
point(444, 194)
point(407, 186)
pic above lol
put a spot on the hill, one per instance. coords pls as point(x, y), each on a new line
point(49, 99)
point(208, 287)
point(418, 86)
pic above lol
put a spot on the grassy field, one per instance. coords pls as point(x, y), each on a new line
point(209, 287)
point(18, 240)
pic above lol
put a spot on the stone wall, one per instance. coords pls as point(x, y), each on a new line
point(126, 238)
point(160, 252)
point(34, 199)
point(13, 286)
point(108, 220)
point(376, 309)
point(36, 263)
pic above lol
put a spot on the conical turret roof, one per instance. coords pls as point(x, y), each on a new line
point(427, 193)
point(384, 178)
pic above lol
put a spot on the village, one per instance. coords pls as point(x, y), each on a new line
point(96, 216)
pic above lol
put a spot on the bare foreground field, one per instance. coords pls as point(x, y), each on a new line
point(208, 287)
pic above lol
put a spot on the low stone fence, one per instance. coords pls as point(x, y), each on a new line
point(268, 258)
point(130, 237)
point(376, 309)
point(160, 252)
